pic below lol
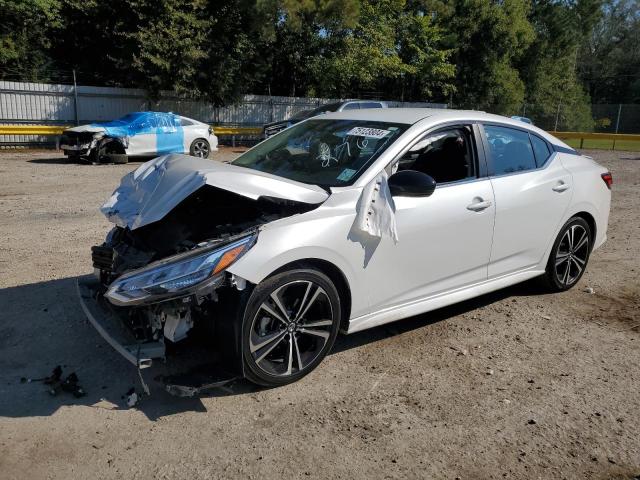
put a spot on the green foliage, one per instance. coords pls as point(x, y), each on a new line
point(488, 38)
point(25, 27)
point(421, 46)
point(365, 54)
point(226, 70)
point(330, 14)
point(165, 56)
point(609, 59)
point(392, 45)
point(495, 55)
point(549, 66)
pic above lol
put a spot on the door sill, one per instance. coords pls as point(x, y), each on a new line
point(416, 307)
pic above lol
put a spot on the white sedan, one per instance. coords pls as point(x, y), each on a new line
point(139, 134)
point(340, 223)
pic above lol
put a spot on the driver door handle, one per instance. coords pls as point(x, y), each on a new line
point(479, 206)
point(561, 187)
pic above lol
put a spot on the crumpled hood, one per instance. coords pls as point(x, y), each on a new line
point(147, 194)
point(114, 128)
point(93, 128)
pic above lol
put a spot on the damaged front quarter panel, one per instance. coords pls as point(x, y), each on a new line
point(181, 222)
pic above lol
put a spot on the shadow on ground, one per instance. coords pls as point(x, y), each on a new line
point(73, 161)
point(56, 161)
point(42, 325)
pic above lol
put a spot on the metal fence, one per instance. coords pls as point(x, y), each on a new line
point(616, 118)
point(599, 118)
point(49, 104)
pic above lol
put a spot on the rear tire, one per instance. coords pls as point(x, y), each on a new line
point(289, 325)
point(200, 148)
point(569, 255)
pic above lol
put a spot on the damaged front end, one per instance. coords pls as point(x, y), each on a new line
point(77, 144)
point(94, 145)
point(140, 310)
point(161, 274)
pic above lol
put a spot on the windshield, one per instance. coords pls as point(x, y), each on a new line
point(329, 153)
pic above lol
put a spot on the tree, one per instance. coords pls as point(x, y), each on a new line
point(149, 44)
point(421, 45)
point(549, 67)
point(25, 32)
point(609, 58)
point(489, 38)
point(393, 45)
point(488, 54)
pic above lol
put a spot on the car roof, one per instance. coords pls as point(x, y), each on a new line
point(410, 116)
point(148, 112)
point(407, 116)
point(362, 101)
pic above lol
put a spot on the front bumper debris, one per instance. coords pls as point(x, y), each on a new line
point(192, 381)
point(75, 148)
point(102, 316)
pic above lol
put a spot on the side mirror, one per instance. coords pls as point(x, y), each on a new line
point(411, 183)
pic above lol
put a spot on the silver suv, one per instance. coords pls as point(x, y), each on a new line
point(271, 129)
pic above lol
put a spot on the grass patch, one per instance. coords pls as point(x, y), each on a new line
point(596, 144)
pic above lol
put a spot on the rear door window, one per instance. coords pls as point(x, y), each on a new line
point(510, 150)
point(351, 106)
point(540, 150)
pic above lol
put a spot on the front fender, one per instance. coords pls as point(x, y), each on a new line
point(318, 239)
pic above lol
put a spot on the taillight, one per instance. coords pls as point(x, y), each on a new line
point(608, 179)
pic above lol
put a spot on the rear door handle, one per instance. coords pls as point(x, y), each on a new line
point(561, 187)
point(479, 206)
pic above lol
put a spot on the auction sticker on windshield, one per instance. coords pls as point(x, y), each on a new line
point(368, 132)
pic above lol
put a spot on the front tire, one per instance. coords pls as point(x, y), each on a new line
point(200, 148)
point(569, 255)
point(118, 158)
point(289, 325)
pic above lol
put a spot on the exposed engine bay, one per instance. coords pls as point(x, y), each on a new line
point(207, 219)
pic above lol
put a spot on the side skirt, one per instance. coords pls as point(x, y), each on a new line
point(438, 301)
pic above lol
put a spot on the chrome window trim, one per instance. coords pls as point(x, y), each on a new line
point(461, 182)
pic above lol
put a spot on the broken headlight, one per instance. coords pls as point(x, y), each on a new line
point(178, 275)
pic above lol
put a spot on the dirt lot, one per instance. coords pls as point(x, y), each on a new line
point(516, 384)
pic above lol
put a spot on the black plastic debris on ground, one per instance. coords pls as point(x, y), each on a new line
point(57, 384)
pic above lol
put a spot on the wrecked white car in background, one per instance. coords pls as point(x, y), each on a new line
point(343, 222)
point(139, 134)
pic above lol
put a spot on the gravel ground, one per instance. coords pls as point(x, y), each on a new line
point(515, 384)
